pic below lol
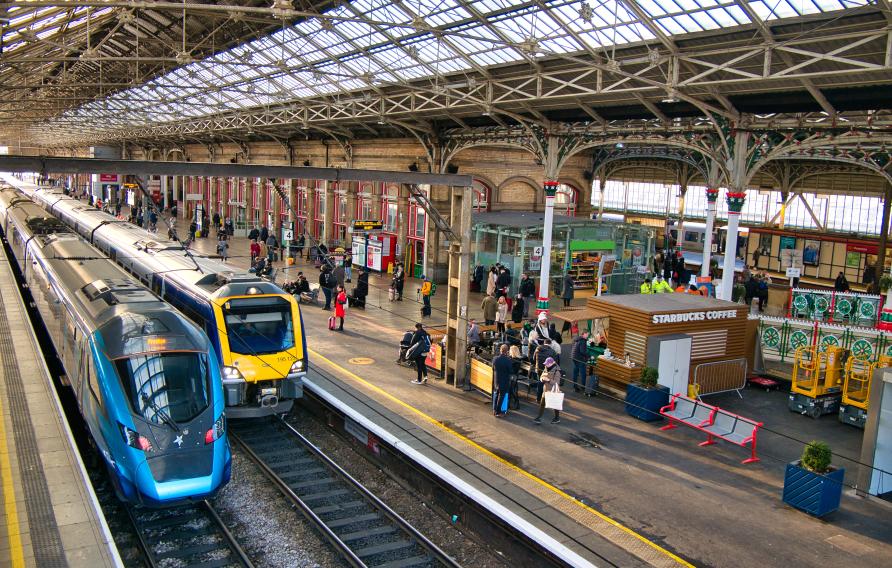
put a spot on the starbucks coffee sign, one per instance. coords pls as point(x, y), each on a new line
point(694, 316)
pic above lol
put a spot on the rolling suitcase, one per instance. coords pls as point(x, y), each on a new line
point(391, 293)
point(331, 323)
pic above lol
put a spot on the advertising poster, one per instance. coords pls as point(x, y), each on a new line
point(853, 259)
point(811, 253)
point(787, 243)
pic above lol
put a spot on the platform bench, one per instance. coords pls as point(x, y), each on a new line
point(713, 421)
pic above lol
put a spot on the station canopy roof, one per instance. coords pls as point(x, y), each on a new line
point(133, 64)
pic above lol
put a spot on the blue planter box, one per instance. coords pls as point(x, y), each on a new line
point(645, 404)
point(811, 492)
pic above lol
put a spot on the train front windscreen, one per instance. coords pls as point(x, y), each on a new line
point(166, 387)
point(259, 326)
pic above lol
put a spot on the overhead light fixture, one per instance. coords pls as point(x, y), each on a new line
point(586, 12)
point(381, 120)
point(620, 145)
point(671, 96)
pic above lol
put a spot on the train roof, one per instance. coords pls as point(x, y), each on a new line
point(207, 275)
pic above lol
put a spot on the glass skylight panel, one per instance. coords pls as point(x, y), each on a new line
point(705, 20)
point(652, 7)
point(439, 13)
point(670, 26)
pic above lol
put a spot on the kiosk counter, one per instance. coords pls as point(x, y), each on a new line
point(677, 334)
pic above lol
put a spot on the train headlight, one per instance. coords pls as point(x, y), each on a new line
point(297, 366)
point(232, 374)
point(216, 431)
point(134, 440)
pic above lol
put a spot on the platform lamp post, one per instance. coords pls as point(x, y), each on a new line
point(712, 195)
point(550, 188)
point(735, 205)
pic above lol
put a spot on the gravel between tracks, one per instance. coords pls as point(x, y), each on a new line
point(463, 548)
point(272, 533)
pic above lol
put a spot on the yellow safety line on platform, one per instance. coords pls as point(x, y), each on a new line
point(13, 531)
point(505, 462)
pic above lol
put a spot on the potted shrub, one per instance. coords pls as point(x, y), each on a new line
point(812, 484)
point(645, 398)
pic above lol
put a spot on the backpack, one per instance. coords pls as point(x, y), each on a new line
point(763, 285)
point(433, 288)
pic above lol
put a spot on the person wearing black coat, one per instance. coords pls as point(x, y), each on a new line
point(264, 234)
point(362, 288)
point(254, 234)
point(327, 283)
point(503, 281)
point(752, 290)
point(841, 284)
point(518, 309)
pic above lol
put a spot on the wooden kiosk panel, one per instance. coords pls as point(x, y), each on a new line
point(718, 329)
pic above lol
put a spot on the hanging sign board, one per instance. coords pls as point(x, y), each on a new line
point(108, 178)
point(536, 258)
point(367, 225)
point(793, 272)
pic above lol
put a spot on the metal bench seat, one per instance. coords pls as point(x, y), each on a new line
point(712, 420)
point(682, 409)
point(723, 424)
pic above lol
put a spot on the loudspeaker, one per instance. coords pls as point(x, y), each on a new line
point(307, 163)
point(451, 169)
point(587, 175)
point(413, 167)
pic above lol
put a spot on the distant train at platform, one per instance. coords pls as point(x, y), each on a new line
point(146, 379)
point(253, 325)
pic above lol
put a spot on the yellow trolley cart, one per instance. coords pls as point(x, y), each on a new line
point(817, 381)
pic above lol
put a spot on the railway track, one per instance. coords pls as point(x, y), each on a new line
point(191, 535)
point(364, 530)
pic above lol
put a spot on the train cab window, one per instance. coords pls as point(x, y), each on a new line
point(166, 386)
point(93, 382)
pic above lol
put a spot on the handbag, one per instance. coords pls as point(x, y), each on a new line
point(554, 400)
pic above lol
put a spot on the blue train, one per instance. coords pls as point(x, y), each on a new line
point(146, 379)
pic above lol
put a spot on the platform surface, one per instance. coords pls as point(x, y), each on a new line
point(50, 516)
point(685, 505)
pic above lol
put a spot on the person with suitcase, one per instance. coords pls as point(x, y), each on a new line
point(426, 292)
point(341, 306)
point(502, 367)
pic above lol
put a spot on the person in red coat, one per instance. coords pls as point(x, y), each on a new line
point(340, 306)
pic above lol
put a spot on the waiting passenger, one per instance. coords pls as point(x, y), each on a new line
point(548, 382)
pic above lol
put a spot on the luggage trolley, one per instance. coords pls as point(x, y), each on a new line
point(817, 380)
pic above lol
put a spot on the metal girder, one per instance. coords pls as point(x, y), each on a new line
point(45, 164)
point(817, 51)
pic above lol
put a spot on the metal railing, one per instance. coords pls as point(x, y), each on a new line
point(720, 376)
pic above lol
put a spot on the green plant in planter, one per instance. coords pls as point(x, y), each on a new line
point(816, 457)
point(649, 376)
point(885, 283)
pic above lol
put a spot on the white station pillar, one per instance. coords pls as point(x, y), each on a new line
point(712, 195)
point(735, 204)
point(550, 188)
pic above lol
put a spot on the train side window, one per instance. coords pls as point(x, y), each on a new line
point(691, 237)
point(93, 382)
